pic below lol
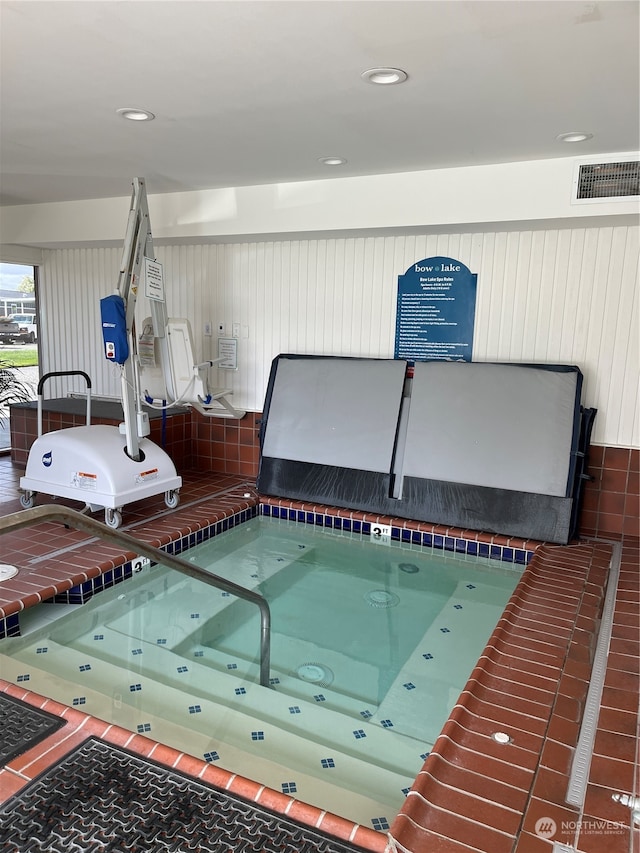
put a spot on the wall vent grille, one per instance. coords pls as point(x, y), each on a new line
point(608, 180)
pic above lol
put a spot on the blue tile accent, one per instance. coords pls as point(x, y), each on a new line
point(472, 548)
point(274, 681)
point(294, 709)
point(135, 688)
point(161, 641)
point(483, 549)
point(380, 823)
point(195, 615)
point(320, 698)
point(438, 541)
point(409, 685)
point(25, 677)
point(428, 656)
point(79, 700)
point(405, 791)
point(84, 667)
point(42, 650)
point(449, 543)
point(289, 787)
point(182, 669)
point(427, 540)
point(144, 727)
point(240, 691)
point(198, 654)
point(387, 724)
point(471, 586)
point(457, 607)
point(461, 545)
point(257, 735)
point(232, 666)
point(98, 636)
point(211, 756)
point(425, 755)
point(327, 763)
point(445, 630)
point(366, 714)
point(359, 734)
point(195, 709)
point(136, 651)
point(10, 626)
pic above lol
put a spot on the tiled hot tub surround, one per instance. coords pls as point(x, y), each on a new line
point(530, 683)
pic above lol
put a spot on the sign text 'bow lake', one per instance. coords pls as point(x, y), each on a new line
point(436, 311)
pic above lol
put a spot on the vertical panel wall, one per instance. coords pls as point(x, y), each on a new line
point(557, 295)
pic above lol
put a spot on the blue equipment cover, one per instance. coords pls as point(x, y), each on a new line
point(114, 328)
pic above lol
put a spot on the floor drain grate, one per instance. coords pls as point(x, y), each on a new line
point(381, 598)
point(315, 673)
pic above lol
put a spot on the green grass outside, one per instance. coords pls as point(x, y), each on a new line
point(23, 356)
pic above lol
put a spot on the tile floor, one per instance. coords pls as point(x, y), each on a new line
point(472, 794)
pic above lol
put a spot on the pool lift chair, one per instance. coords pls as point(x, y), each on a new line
point(109, 466)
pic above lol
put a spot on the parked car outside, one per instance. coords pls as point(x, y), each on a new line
point(27, 328)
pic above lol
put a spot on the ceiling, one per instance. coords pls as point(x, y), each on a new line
point(256, 91)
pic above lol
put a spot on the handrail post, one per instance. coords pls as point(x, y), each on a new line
point(72, 518)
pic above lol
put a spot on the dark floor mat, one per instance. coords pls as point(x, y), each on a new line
point(103, 798)
point(22, 726)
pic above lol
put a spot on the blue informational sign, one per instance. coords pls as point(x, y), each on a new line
point(436, 311)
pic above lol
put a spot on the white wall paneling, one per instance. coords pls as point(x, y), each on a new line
point(549, 295)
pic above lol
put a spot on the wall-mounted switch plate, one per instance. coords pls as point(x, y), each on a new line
point(236, 330)
point(207, 329)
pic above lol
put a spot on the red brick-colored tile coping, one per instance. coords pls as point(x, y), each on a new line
point(478, 793)
point(403, 523)
point(79, 726)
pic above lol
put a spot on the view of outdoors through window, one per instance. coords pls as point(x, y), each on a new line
point(19, 370)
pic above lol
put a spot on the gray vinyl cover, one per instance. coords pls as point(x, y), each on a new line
point(340, 412)
point(502, 426)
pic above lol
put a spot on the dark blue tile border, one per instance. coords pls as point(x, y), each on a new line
point(457, 545)
point(81, 593)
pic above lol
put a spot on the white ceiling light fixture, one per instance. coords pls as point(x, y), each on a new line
point(332, 161)
point(574, 136)
point(134, 114)
point(384, 76)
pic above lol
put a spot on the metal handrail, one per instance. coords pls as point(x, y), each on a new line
point(72, 518)
point(53, 373)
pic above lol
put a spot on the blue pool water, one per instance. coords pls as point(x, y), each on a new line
point(371, 645)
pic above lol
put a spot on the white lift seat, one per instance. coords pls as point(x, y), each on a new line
point(187, 382)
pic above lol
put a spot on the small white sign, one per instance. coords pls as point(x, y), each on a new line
point(83, 480)
point(228, 353)
point(381, 533)
point(140, 563)
point(153, 280)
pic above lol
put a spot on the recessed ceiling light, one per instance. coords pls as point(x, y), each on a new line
point(574, 136)
point(332, 161)
point(134, 114)
point(384, 76)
